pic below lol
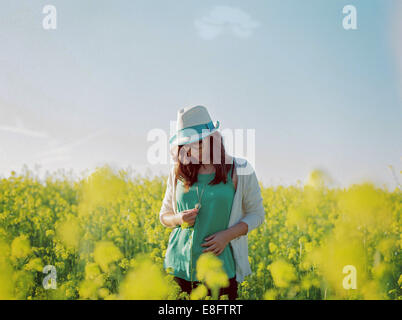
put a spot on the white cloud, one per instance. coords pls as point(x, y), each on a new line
point(19, 128)
point(63, 152)
point(223, 19)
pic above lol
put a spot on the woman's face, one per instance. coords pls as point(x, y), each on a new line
point(196, 152)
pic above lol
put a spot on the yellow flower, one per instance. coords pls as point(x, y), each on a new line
point(199, 293)
point(145, 282)
point(283, 273)
point(209, 269)
point(105, 253)
point(20, 247)
point(103, 293)
point(270, 294)
point(88, 290)
point(69, 232)
point(6, 279)
point(34, 264)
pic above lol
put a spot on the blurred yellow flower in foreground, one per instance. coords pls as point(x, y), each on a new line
point(6, 282)
point(105, 253)
point(69, 232)
point(100, 188)
point(210, 270)
point(145, 282)
point(199, 293)
point(20, 247)
point(283, 273)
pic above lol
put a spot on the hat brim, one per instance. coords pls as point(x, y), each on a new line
point(188, 137)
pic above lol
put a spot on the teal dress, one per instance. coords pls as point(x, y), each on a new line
point(184, 247)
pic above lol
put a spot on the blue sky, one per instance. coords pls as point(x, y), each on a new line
point(317, 95)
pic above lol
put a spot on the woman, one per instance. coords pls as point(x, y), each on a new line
point(212, 201)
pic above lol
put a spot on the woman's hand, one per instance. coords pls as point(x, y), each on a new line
point(216, 242)
point(186, 218)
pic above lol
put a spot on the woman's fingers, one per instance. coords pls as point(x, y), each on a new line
point(209, 238)
point(189, 218)
point(208, 243)
point(211, 248)
point(190, 213)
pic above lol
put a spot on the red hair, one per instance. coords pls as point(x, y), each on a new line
point(189, 158)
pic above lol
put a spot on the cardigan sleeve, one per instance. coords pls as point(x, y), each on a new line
point(167, 200)
point(253, 209)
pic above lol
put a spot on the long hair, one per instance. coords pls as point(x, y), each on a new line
point(209, 150)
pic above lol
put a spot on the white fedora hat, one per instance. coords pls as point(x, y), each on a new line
point(193, 124)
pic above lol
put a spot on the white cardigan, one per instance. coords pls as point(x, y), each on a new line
point(247, 207)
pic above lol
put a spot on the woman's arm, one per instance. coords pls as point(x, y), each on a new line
point(237, 230)
point(254, 213)
point(252, 206)
point(166, 208)
point(170, 219)
point(219, 240)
